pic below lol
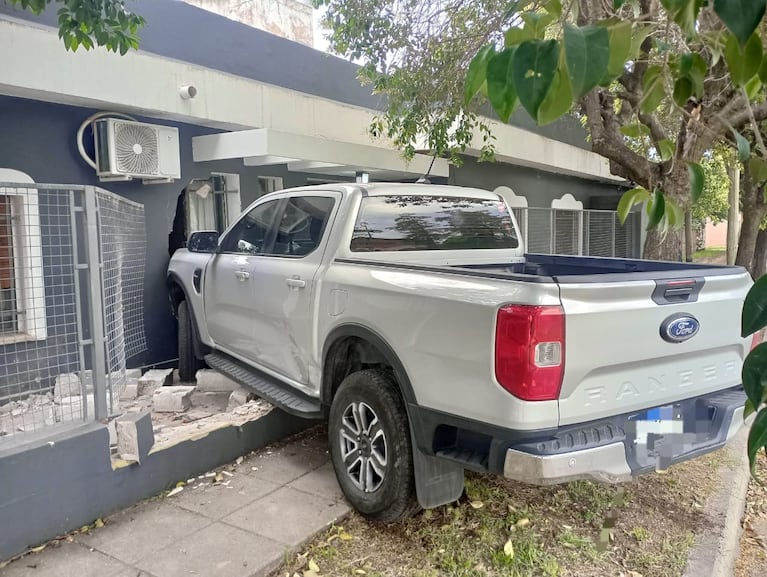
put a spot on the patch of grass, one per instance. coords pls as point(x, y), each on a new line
point(553, 531)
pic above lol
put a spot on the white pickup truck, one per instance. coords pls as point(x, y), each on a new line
point(411, 317)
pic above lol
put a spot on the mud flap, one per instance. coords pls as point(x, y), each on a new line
point(437, 481)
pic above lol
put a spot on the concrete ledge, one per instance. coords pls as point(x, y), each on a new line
point(57, 484)
point(716, 551)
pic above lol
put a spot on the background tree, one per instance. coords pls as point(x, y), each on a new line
point(89, 23)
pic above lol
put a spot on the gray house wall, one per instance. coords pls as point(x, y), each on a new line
point(39, 139)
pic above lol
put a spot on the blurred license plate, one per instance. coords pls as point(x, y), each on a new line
point(658, 421)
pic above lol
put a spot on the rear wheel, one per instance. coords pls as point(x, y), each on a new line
point(370, 447)
point(187, 361)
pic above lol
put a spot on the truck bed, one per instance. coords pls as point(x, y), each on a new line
point(577, 269)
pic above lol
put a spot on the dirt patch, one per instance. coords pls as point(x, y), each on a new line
point(499, 527)
point(752, 560)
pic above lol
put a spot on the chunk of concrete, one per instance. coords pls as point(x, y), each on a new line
point(134, 436)
point(209, 381)
point(154, 379)
point(130, 392)
point(67, 385)
point(239, 398)
point(133, 373)
point(71, 408)
point(173, 399)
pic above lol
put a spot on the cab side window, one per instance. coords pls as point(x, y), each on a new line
point(302, 225)
point(251, 235)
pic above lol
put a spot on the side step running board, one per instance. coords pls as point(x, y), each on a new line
point(267, 387)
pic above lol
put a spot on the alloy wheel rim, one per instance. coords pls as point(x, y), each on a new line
point(363, 447)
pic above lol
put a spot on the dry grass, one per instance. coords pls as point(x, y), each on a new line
point(580, 529)
point(752, 560)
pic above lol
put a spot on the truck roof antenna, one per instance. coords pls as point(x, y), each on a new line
point(425, 178)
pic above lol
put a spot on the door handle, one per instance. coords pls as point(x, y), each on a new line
point(242, 275)
point(295, 282)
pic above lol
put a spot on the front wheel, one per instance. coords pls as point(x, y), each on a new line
point(370, 447)
point(187, 361)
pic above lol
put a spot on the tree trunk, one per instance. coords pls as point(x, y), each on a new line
point(670, 247)
point(759, 264)
point(733, 215)
point(689, 237)
point(747, 241)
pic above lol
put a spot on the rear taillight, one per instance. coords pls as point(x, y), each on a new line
point(530, 351)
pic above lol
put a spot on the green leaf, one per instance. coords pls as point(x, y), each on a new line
point(516, 36)
point(666, 149)
point(754, 314)
point(763, 71)
point(657, 209)
point(620, 46)
point(744, 148)
point(674, 214)
point(748, 409)
point(697, 180)
point(693, 68)
point(587, 51)
point(500, 88)
point(684, 13)
point(757, 438)
point(753, 87)
point(682, 91)
point(640, 33)
point(754, 374)
point(653, 89)
point(533, 69)
point(635, 130)
point(629, 199)
point(757, 167)
point(744, 63)
point(618, 3)
point(740, 16)
point(559, 99)
point(554, 7)
point(477, 73)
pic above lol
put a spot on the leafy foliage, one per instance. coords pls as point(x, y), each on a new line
point(90, 23)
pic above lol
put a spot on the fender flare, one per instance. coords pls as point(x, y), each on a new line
point(369, 335)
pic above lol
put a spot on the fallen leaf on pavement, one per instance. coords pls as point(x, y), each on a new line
point(313, 566)
point(175, 491)
point(477, 504)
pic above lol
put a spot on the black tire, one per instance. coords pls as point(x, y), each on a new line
point(389, 497)
point(187, 361)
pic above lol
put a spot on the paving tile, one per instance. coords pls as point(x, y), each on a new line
point(217, 501)
point(288, 516)
point(321, 482)
point(138, 532)
point(284, 465)
point(218, 550)
point(69, 560)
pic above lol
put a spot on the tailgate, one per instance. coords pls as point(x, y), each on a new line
point(616, 359)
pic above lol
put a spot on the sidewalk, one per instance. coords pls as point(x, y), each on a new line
point(237, 523)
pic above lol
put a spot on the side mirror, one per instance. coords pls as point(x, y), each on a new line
point(205, 241)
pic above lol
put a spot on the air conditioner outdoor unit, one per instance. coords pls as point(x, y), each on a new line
point(126, 150)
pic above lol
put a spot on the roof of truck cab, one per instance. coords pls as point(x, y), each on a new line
point(402, 188)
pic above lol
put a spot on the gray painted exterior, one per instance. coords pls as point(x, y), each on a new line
point(60, 483)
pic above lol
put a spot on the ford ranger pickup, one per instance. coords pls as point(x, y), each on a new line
point(410, 317)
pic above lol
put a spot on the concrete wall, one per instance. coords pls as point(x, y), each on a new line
point(286, 18)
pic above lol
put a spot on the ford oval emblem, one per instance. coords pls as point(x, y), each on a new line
point(679, 328)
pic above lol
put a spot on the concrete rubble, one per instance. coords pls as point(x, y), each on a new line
point(178, 410)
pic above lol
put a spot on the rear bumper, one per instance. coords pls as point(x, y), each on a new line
point(709, 423)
